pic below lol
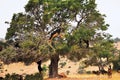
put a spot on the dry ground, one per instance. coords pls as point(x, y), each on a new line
point(115, 76)
point(20, 68)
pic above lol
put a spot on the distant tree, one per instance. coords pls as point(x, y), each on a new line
point(3, 45)
point(102, 54)
point(116, 60)
point(116, 40)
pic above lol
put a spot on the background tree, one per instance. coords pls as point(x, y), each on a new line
point(102, 54)
point(116, 60)
point(116, 40)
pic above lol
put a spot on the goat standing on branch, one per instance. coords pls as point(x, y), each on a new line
point(56, 32)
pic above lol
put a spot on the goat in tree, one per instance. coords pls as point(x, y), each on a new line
point(16, 45)
point(55, 33)
point(85, 41)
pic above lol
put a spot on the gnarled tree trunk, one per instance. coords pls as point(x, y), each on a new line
point(53, 67)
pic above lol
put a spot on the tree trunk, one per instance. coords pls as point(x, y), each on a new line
point(53, 67)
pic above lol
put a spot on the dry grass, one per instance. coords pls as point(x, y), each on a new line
point(20, 68)
point(115, 76)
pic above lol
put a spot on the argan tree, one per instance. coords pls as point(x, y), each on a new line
point(80, 23)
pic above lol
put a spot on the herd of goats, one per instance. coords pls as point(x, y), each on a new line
point(103, 71)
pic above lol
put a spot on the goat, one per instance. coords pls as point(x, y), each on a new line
point(103, 72)
point(17, 45)
point(96, 72)
point(109, 71)
point(62, 75)
point(118, 70)
point(85, 41)
point(39, 66)
point(20, 77)
point(1, 78)
point(1, 48)
point(55, 33)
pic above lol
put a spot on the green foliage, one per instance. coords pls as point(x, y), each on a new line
point(103, 49)
point(35, 76)
point(116, 61)
point(12, 77)
point(116, 64)
point(3, 44)
point(62, 49)
point(88, 72)
point(81, 70)
point(8, 55)
point(62, 64)
point(44, 67)
point(84, 33)
point(19, 25)
point(32, 4)
point(28, 44)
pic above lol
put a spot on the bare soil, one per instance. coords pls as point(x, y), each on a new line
point(115, 76)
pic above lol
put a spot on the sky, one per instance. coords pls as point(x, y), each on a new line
point(111, 9)
point(7, 9)
point(108, 7)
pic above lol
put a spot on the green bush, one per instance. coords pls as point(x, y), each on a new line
point(12, 77)
point(81, 70)
point(67, 72)
point(88, 72)
point(62, 64)
point(116, 65)
point(35, 76)
point(44, 68)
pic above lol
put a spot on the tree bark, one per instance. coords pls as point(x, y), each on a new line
point(53, 67)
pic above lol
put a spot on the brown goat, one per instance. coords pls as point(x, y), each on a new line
point(109, 71)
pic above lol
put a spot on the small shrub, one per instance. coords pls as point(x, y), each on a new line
point(35, 76)
point(69, 67)
point(62, 64)
point(81, 70)
point(67, 72)
point(88, 72)
point(12, 77)
point(44, 68)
